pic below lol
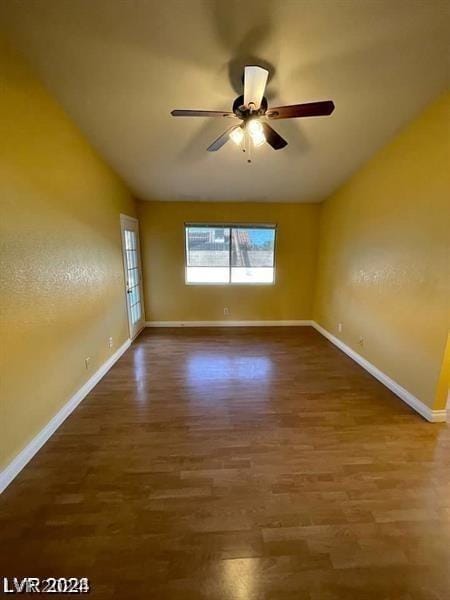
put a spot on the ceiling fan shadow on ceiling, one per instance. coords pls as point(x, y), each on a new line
point(251, 115)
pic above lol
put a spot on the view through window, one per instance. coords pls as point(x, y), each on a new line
point(230, 254)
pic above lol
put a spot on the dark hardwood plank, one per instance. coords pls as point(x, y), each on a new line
point(249, 463)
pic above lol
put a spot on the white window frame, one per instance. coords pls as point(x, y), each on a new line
point(231, 226)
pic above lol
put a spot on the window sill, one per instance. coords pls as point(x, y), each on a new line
point(265, 284)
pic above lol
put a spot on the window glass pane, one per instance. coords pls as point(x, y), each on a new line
point(252, 274)
point(207, 274)
point(208, 254)
point(252, 247)
point(131, 259)
point(132, 277)
point(130, 240)
point(137, 312)
point(207, 246)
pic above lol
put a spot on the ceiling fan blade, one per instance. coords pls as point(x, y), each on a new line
point(273, 138)
point(310, 109)
point(255, 79)
point(202, 113)
point(222, 139)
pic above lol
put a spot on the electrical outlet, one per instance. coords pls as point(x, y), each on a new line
point(226, 311)
point(87, 362)
point(361, 341)
point(110, 342)
point(340, 327)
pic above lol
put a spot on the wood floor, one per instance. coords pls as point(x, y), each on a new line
point(237, 464)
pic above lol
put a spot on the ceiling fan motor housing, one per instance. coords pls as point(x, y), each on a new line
point(241, 111)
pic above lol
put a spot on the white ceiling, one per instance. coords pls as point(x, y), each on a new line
point(119, 67)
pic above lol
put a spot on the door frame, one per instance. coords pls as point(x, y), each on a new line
point(124, 220)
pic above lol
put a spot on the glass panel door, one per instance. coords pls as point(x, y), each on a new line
point(133, 278)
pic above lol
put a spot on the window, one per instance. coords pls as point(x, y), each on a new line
point(230, 254)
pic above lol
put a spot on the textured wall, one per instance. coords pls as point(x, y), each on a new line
point(62, 292)
point(383, 269)
point(162, 240)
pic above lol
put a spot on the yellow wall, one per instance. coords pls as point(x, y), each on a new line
point(383, 269)
point(162, 242)
point(62, 292)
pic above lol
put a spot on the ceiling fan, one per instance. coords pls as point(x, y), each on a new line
point(251, 114)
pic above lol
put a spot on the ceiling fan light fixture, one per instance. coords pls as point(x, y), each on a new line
point(237, 135)
point(256, 132)
point(258, 139)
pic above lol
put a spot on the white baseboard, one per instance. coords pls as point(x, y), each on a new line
point(434, 416)
point(18, 463)
point(228, 323)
